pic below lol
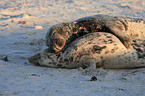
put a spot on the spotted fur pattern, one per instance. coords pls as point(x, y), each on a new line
point(94, 50)
point(124, 28)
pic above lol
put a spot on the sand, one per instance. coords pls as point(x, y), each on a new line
point(23, 26)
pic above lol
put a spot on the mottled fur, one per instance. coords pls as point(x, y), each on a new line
point(92, 51)
point(124, 28)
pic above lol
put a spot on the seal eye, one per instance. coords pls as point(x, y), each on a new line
point(38, 55)
point(82, 30)
point(74, 29)
point(58, 43)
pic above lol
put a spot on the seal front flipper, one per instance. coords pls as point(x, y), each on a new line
point(88, 64)
point(58, 34)
point(92, 70)
point(124, 38)
point(92, 67)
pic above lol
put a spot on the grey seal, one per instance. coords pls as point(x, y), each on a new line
point(94, 50)
point(125, 28)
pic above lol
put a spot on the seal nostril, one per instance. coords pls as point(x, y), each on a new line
point(36, 63)
point(29, 59)
point(33, 61)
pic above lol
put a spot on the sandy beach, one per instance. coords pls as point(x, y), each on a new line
point(23, 26)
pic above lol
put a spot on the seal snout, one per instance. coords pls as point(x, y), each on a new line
point(35, 59)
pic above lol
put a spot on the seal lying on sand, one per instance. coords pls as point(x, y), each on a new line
point(94, 50)
point(124, 28)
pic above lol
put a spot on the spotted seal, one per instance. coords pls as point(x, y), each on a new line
point(124, 28)
point(94, 50)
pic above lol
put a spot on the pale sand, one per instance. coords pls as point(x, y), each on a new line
point(23, 25)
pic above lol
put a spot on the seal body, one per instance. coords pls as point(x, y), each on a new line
point(124, 28)
point(94, 50)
